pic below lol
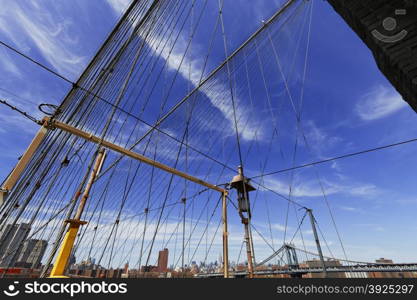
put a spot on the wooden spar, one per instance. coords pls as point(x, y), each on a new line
point(21, 165)
point(134, 155)
point(225, 236)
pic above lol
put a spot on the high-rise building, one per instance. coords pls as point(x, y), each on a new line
point(11, 239)
point(73, 259)
point(163, 260)
point(32, 253)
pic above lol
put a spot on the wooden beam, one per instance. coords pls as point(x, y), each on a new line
point(21, 165)
point(225, 236)
point(89, 137)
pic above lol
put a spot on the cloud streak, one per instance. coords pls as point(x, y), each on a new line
point(379, 103)
point(46, 32)
point(312, 189)
point(119, 6)
point(191, 70)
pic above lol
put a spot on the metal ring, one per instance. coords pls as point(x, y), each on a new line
point(50, 110)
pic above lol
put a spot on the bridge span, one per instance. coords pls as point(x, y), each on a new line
point(299, 271)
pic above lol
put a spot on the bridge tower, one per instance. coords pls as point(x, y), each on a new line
point(316, 238)
point(292, 257)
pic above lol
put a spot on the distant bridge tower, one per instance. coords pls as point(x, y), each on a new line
point(292, 258)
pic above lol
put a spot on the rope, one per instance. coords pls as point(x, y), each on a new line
point(23, 113)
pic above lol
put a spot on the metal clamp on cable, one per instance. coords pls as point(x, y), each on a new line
point(3, 195)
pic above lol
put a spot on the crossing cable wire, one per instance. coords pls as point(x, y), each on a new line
point(124, 198)
point(95, 95)
point(182, 59)
point(54, 195)
point(324, 239)
point(212, 240)
point(121, 94)
point(18, 97)
point(298, 117)
point(240, 252)
point(164, 202)
point(27, 199)
point(233, 100)
point(232, 96)
point(154, 7)
point(300, 109)
point(192, 228)
point(214, 72)
point(156, 59)
point(17, 192)
point(186, 131)
point(31, 119)
point(266, 87)
point(375, 149)
point(37, 63)
point(172, 110)
point(70, 210)
point(205, 230)
point(121, 50)
point(275, 131)
point(23, 113)
point(266, 159)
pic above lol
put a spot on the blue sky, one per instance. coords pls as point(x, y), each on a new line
point(348, 106)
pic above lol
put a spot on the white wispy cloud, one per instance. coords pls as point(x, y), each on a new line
point(380, 102)
point(348, 208)
point(354, 210)
point(7, 64)
point(190, 70)
point(311, 188)
point(319, 140)
point(34, 26)
point(372, 226)
point(119, 6)
point(279, 227)
point(304, 189)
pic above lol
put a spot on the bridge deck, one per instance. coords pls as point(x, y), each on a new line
point(339, 269)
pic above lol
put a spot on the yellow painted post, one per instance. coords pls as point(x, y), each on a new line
point(64, 253)
point(58, 270)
